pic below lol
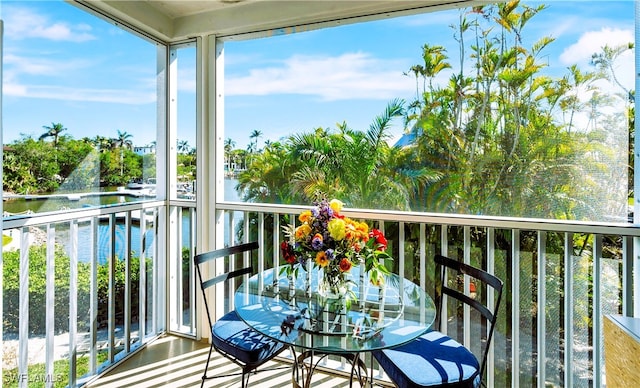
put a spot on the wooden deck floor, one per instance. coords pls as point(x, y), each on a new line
point(178, 362)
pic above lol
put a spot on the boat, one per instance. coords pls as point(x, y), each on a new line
point(138, 184)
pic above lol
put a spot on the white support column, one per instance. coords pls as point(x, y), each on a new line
point(163, 179)
point(203, 204)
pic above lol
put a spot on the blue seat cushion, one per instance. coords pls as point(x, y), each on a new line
point(432, 359)
point(233, 336)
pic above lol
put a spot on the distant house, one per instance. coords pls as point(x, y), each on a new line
point(145, 150)
point(409, 138)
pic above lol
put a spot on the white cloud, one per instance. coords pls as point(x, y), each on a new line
point(16, 64)
point(119, 96)
point(55, 70)
point(348, 76)
point(21, 23)
point(592, 42)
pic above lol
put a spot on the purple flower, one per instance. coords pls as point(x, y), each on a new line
point(330, 254)
point(316, 242)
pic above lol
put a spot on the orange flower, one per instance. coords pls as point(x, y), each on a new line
point(302, 231)
point(321, 259)
point(345, 265)
point(305, 216)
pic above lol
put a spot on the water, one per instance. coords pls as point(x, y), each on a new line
point(230, 193)
point(20, 205)
point(104, 236)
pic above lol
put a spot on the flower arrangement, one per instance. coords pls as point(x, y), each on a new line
point(334, 243)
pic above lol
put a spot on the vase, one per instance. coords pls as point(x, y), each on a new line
point(332, 293)
point(333, 286)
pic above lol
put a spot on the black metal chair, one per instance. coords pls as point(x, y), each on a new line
point(230, 335)
point(435, 359)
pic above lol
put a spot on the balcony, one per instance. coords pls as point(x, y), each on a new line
point(100, 296)
point(549, 331)
point(177, 361)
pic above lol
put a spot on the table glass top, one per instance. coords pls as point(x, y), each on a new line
point(371, 317)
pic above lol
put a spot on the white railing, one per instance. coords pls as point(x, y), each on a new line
point(86, 290)
point(549, 332)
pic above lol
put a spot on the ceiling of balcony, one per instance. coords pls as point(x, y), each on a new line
point(175, 20)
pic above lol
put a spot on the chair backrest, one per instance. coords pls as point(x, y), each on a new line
point(206, 257)
point(481, 280)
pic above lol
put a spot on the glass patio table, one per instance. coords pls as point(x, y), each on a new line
point(367, 318)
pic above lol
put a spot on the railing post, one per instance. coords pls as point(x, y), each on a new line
point(127, 282)
point(541, 331)
point(50, 305)
point(466, 315)
point(73, 301)
point(93, 303)
point(515, 308)
point(111, 322)
point(568, 309)
point(598, 366)
point(491, 261)
point(23, 320)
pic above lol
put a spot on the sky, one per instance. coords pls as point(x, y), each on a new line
point(63, 65)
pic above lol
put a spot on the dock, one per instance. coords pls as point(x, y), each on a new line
point(79, 196)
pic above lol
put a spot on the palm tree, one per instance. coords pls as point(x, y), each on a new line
point(228, 147)
point(53, 131)
point(183, 146)
point(255, 135)
point(103, 144)
point(123, 141)
point(355, 166)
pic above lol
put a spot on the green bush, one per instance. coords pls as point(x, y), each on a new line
point(37, 291)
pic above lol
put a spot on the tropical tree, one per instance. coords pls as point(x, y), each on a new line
point(605, 63)
point(183, 146)
point(228, 147)
point(33, 168)
point(102, 144)
point(53, 131)
point(267, 179)
point(122, 142)
point(255, 135)
point(355, 166)
point(78, 165)
point(501, 133)
point(351, 164)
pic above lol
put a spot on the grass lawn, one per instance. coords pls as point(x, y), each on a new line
point(37, 375)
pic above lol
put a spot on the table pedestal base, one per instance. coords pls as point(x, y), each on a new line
point(307, 362)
